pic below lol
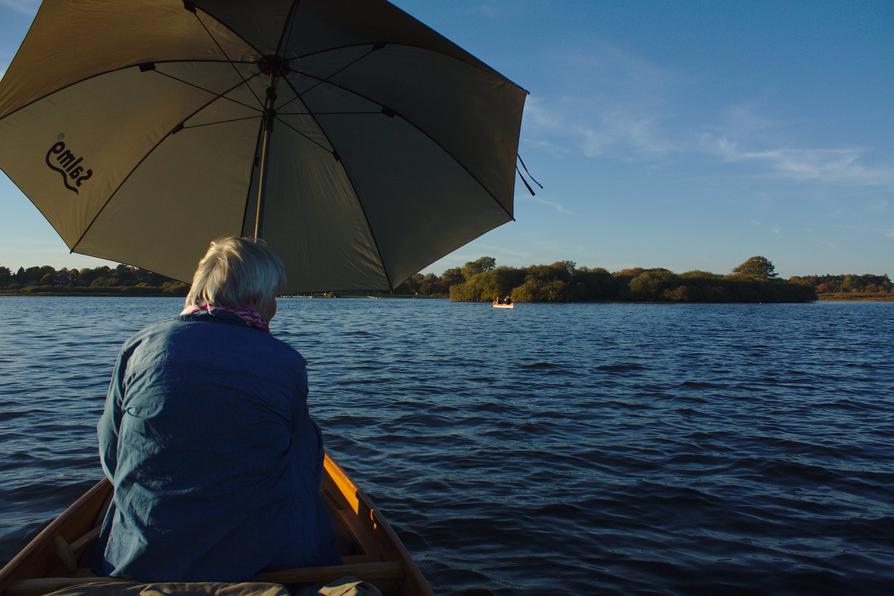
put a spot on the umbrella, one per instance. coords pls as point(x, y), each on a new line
point(357, 142)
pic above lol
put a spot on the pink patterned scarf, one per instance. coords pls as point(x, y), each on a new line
point(249, 315)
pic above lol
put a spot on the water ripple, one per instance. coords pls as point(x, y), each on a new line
point(614, 448)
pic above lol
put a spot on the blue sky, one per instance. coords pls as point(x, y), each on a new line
point(686, 135)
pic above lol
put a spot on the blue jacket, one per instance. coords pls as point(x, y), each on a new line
point(215, 461)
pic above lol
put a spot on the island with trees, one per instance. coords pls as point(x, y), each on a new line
point(481, 280)
point(123, 280)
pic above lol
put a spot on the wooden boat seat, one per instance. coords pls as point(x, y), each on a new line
point(69, 553)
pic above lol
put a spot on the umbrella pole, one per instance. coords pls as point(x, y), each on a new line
point(269, 114)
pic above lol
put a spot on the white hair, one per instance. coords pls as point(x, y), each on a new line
point(237, 272)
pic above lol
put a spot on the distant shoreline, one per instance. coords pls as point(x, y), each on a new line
point(844, 297)
point(107, 293)
point(130, 292)
point(754, 281)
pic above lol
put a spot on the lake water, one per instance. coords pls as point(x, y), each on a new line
point(550, 449)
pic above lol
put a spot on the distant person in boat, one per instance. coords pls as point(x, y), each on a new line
point(207, 439)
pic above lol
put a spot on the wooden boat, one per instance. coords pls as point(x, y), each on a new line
point(496, 304)
point(370, 549)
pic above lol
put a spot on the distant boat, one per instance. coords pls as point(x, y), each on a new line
point(496, 304)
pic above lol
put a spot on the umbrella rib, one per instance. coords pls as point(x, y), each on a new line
point(188, 5)
point(480, 65)
point(221, 122)
point(286, 26)
point(328, 77)
point(114, 70)
point(414, 125)
point(318, 144)
point(225, 55)
point(209, 91)
point(174, 130)
point(344, 167)
point(378, 112)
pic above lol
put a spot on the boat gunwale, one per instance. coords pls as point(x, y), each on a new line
point(365, 512)
point(45, 536)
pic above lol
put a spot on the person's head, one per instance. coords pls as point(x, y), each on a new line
point(238, 272)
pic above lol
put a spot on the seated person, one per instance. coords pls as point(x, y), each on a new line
point(206, 437)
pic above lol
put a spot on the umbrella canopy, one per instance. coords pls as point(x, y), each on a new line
point(358, 143)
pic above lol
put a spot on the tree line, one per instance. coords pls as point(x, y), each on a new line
point(755, 280)
point(123, 279)
point(847, 284)
point(481, 280)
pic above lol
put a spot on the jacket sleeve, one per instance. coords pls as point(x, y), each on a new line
point(110, 421)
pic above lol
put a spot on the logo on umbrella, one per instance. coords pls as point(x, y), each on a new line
point(62, 160)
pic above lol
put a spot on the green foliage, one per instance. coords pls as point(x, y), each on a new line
point(122, 280)
point(482, 280)
point(488, 284)
point(546, 283)
point(477, 266)
point(424, 285)
point(650, 285)
point(593, 284)
point(630, 273)
point(451, 277)
point(175, 288)
point(563, 281)
point(696, 274)
point(758, 267)
point(678, 294)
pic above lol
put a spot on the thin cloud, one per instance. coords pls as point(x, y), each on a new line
point(823, 165)
point(485, 10)
point(546, 147)
point(594, 129)
point(626, 121)
point(538, 115)
point(546, 202)
point(625, 131)
point(745, 121)
point(890, 234)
